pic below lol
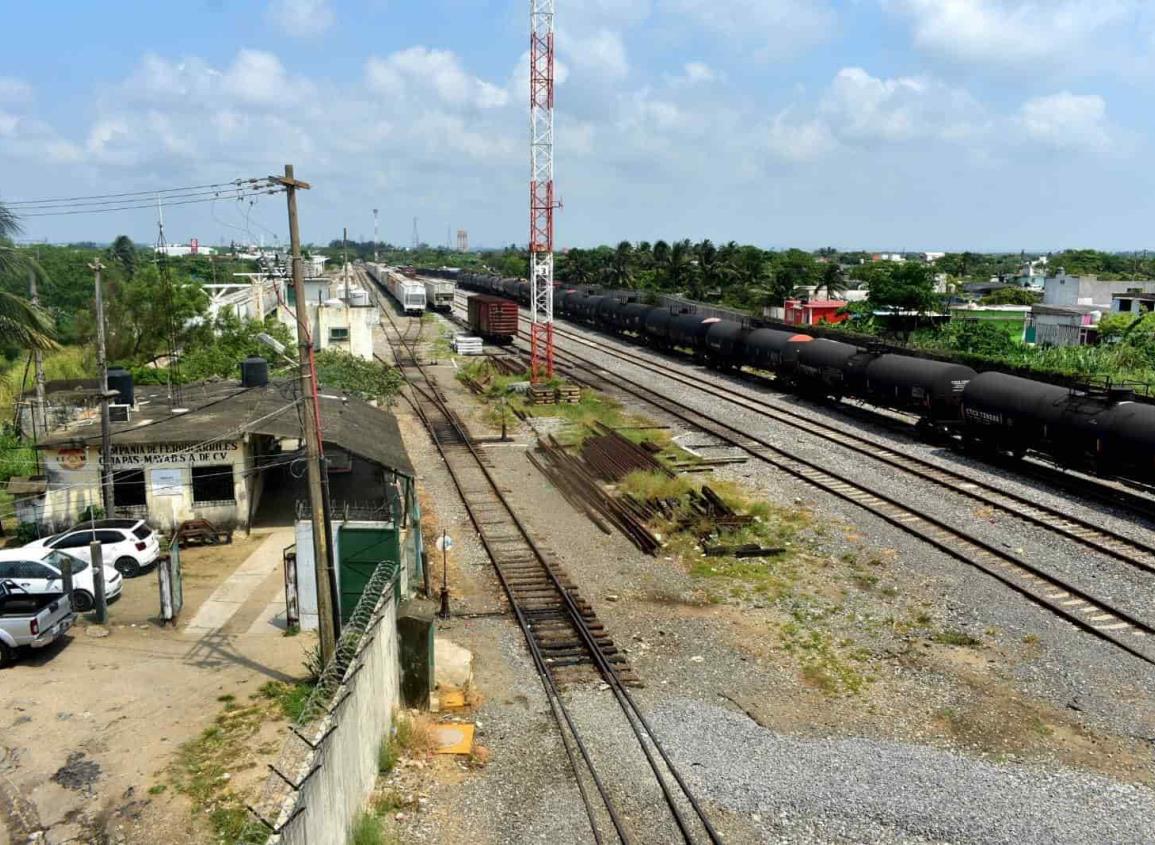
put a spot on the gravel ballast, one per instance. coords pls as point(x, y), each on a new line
point(856, 790)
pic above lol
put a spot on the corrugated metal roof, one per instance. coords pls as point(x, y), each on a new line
point(225, 411)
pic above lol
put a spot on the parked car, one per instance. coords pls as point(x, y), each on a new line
point(31, 620)
point(129, 545)
point(38, 571)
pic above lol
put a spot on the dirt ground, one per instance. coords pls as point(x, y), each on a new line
point(94, 722)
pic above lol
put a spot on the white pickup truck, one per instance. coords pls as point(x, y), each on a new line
point(30, 620)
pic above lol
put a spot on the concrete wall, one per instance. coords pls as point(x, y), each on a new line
point(362, 717)
point(74, 481)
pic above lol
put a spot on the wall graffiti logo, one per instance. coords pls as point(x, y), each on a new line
point(72, 459)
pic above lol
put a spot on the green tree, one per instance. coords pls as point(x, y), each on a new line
point(366, 379)
point(1012, 296)
point(796, 269)
point(123, 252)
point(620, 270)
point(21, 323)
point(908, 286)
point(832, 280)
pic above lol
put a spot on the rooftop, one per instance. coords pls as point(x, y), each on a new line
point(224, 410)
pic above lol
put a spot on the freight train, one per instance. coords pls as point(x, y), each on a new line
point(409, 294)
point(1103, 432)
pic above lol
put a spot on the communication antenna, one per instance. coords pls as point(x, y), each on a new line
point(541, 190)
point(173, 370)
point(374, 236)
point(416, 236)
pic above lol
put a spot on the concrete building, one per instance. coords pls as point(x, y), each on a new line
point(1132, 302)
point(1065, 289)
point(1064, 325)
point(222, 452)
point(799, 312)
point(193, 247)
point(341, 316)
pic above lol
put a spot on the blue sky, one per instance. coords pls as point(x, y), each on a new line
point(877, 124)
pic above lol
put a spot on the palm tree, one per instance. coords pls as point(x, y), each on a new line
point(680, 266)
point(620, 271)
point(20, 320)
point(832, 279)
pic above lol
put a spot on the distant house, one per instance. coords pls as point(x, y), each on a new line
point(1012, 319)
point(1064, 325)
point(193, 247)
point(799, 312)
point(1132, 302)
point(1065, 289)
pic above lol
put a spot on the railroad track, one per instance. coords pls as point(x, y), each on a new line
point(1133, 552)
point(1057, 595)
point(564, 638)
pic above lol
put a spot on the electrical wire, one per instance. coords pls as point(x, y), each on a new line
point(101, 210)
point(159, 198)
point(153, 193)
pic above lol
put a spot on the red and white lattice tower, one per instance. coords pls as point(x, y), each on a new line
point(541, 194)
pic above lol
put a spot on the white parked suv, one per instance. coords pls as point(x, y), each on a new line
point(129, 545)
point(39, 571)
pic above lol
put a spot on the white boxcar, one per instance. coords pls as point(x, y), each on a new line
point(410, 294)
point(439, 294)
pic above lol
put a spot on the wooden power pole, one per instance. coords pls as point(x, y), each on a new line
point(40, 414)
point(105, 423)
point(323, 566)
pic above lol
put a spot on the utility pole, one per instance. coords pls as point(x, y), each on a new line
point(321, 562)
point(105, 423)
point(40, 414)
point(345, 259)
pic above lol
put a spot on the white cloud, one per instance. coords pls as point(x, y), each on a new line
point(14, 91)
point(696, 72)
point(1017, 32)
point(1068, 121)
point(865, 107)
point(801, 141)
point(602, 53)
point(776, 28)
point(301, 18)
point(419, 69)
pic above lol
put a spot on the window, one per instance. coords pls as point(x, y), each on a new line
point(34, 570)
point(213, 483)
point(78, 540)
point(128, 488)
point(7, 570)
point(57, 559)
point(106, 537)
point(338, 335)
point(142, 532)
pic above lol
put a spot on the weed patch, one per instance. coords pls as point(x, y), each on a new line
point(950, 636)
point(290, 698)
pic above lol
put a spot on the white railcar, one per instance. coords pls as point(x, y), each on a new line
point(410, 294)
point(439, 294)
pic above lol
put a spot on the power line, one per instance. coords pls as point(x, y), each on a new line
point(162, 198)
point(239, 196)
point(152, 193)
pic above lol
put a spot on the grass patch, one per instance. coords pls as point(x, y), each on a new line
point(648, 485)
point(290, 698)
point(825, 665)
point(412, 736)
point(367, 830)
point(951, 636)
point(203, 770)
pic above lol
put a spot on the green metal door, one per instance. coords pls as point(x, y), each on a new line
point(359, 551)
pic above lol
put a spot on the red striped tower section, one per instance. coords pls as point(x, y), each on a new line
point(541, 192)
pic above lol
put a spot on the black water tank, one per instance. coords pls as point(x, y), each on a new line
point(254, 372)
point(120, 380)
